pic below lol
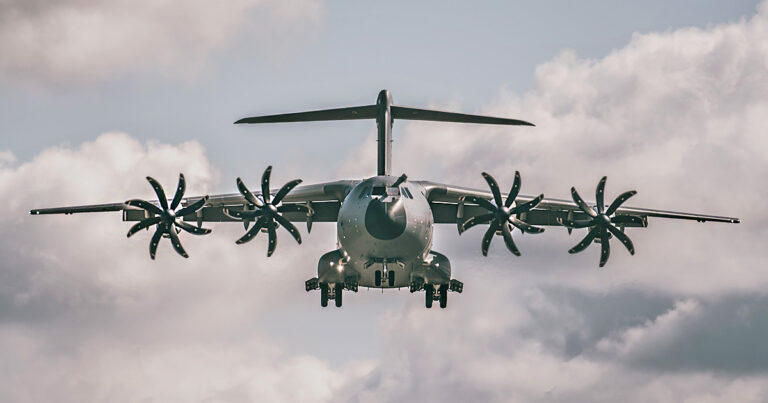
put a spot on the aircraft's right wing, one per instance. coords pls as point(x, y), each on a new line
point(449, 205)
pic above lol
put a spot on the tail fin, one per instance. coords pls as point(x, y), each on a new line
point(385, 113)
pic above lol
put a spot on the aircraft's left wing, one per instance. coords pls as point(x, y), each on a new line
point(323, 198)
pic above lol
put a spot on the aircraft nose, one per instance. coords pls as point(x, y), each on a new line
point(385, 221)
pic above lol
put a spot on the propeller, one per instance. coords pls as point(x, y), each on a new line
point(501, 216)
point(268, 211)
point(601, 224)
point(167, 219)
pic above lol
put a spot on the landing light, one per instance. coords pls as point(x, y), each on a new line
point(340, 268)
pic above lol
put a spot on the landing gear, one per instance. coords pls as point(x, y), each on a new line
point(323, 295)
point(443, 296)
point(377, 278)
point(338, 288)
point(430, 291)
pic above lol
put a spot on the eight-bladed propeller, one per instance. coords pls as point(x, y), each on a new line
point(601, 223)
point(167, 219)
point(268, 213)
point(501, 215)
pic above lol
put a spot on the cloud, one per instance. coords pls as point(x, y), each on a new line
point(84, 41)
point(674, 115)
point(86, 315)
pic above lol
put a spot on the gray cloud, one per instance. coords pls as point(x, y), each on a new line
point(84, 41)
point(85, 315)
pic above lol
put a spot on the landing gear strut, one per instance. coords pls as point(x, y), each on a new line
point(443, 296)
point(323, 295)
point(338, 288)
point(430, 291)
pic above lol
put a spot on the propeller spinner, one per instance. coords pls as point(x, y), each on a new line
point(601, 224)
point(268, 213)
point(167, 219)
point(501, 215)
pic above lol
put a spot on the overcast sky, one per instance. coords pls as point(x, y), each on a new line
point(667, 99)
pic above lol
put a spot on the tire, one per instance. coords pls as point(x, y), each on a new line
point(443, 296)
point(430, 291)
point(339, 289)
point(323, 295)
point(391, 278)
point(377, 278)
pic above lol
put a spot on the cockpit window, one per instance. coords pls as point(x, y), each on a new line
point(366, 192)
point(379, 191)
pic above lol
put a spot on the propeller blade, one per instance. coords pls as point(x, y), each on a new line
point(514, 191)
point(581, 203)
point(600, 195)
point(487, 238)
point(623, 238)
point(248, 194)
point(628, 219)
point(192, 229)
point(605, 248)
point(159, 192)
point(192, 208)
point(475, 220)
point(272, 238)
point(179, 192)
point(524, 226)
point(508, 240)
point(146, 223)
point(574, 224)
point(527, 206)
point(619, 201)
point(176, 242)
point(494, 188)
point(252, 232)
point(145, 205)
point(586, 241)
point(289, 226)
point(155, 241)
point(481, 202)
point(285, 190)
point(265, 184)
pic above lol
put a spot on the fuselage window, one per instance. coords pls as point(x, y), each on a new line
point(407, 193)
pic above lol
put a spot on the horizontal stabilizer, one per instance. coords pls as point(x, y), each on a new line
point(352, 113)
point(402, 112)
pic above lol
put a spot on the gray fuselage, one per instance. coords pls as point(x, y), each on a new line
point(385, 229)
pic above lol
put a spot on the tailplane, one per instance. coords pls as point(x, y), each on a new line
point(385, 113)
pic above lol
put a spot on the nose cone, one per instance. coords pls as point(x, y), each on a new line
point(385, 221)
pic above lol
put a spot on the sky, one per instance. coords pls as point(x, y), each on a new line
point(666, 99)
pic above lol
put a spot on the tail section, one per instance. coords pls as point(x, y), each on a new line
point(385, 114)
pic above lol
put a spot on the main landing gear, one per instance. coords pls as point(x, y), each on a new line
point(333, 292)
point(440, 293)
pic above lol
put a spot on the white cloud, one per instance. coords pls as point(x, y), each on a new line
point(85, 314)
point(83, 41)
point(677, 116)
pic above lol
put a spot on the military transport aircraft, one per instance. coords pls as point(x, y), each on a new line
point(384, 223)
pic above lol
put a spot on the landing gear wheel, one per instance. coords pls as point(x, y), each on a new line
point(377, 278)
point(430, 291)
point(323, 295)
point(443, 296)
point(339, 289)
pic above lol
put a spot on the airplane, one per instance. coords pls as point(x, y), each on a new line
point(384, 223)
